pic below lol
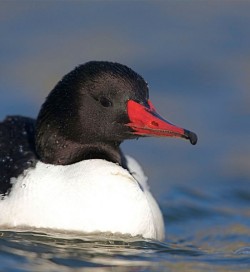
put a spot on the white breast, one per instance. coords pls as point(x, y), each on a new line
point(89, 196)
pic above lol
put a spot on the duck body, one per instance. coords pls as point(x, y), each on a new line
point(88, 196)
point(66, 171)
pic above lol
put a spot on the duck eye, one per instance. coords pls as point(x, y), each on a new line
point(105, 102)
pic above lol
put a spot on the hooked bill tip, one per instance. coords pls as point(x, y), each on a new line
point(191, 136)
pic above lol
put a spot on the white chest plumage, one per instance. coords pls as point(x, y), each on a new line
point(89, 196)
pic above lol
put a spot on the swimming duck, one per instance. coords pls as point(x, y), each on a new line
point(66, 171)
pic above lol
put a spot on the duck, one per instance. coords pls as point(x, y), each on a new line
point(65, 169)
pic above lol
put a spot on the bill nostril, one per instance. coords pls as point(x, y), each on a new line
point(155, 124)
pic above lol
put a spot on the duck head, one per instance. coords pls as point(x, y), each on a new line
point(93, 109)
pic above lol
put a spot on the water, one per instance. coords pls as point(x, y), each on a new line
point(38, 251)
point(195, 57)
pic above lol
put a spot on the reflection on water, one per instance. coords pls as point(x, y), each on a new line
point(49, 250)
point(38, 251)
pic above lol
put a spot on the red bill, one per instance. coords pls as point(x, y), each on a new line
point(145, 121)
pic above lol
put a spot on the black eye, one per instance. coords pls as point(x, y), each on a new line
point(105, 102)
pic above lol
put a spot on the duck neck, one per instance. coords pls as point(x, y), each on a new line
point(59, 151)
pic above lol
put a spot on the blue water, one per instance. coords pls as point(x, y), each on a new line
point(195, 57)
